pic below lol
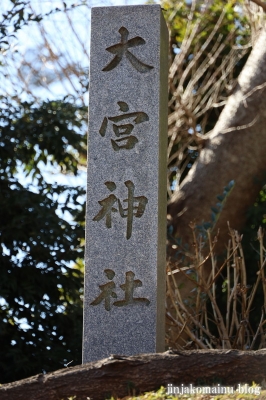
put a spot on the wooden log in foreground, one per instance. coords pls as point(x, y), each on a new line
point(120, 376)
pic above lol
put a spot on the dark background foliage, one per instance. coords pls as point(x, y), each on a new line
point(40, 284)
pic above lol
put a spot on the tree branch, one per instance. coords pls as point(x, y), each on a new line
point(260, 3)
point(120, 376)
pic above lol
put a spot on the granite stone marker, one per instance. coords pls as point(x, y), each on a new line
point(124, 301)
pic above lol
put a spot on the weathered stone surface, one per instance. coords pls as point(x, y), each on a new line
point(126, 199)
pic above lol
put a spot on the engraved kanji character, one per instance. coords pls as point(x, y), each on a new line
point(135, 206)
point(127, 141)
point(107, 206)
point(121, 49)
point(132, 210)
point(128, 288)
point(107, 291)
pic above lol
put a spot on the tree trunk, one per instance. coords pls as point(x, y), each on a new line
point(121, 376)
point(234, 150)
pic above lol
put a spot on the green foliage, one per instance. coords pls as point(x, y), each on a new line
point(179, 13)
point(40, 284)
point(201, 229)
point(217, 209)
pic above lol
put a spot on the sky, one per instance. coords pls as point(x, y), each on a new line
point(72, 39)
point(73, 42)
point(28, 49)
point(69, 34)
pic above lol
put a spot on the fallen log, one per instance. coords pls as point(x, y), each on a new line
point(120, 376)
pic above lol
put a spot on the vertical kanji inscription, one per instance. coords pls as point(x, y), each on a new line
point(124, 295)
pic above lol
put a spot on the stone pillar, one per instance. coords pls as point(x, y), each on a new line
point(124, 301)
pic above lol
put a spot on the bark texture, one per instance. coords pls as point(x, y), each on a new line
point(234, 150)
point(121, 376)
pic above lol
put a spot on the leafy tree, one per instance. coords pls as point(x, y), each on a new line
point(42, 230)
